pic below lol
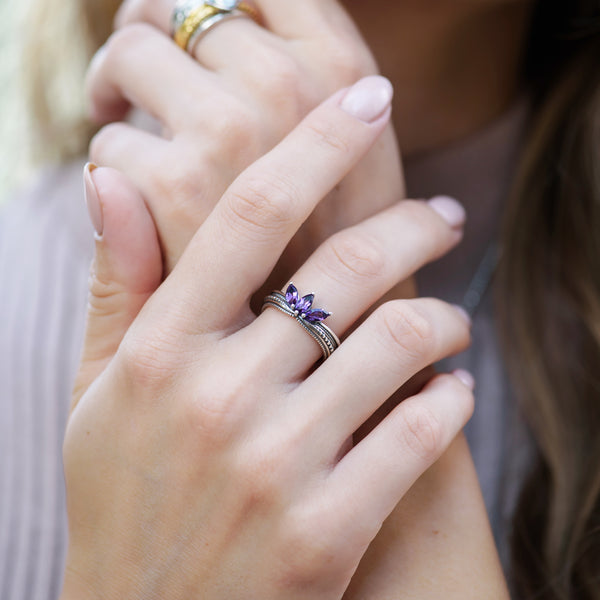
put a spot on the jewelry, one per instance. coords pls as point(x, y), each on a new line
point(482, 278)
point(311, 319)
point(191, 19)
point(208, 24)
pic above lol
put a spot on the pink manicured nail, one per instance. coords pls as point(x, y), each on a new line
point(450, 209)
point(92, 200)
point(368, 99)
point(465, 377)
point(463, 313)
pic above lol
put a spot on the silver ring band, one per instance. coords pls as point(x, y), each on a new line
point(323, 335)
point(209, 23)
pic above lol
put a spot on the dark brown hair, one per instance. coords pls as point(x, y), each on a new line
point(549, 294)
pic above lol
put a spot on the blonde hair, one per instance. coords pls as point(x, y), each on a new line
point(64, 34)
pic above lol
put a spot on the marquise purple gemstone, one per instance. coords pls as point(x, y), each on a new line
point(317, 315)
point(303, 305)
point(291, 294)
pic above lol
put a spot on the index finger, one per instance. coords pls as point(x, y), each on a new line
point(237, 247)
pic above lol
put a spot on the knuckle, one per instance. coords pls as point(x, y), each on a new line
point(105, 142)
point(127, 38)
point(308, 550)
point(261, 205)
point(360, 255)
point(236, 134)
point(421, 431)
point(219, 407)
point(149, 362)
point(279, 75)
point(105, 296)
point(179, 185)
point(348, 63)
point(262, 472)
point(130, 11)
point(409, 331)
point(213, 419)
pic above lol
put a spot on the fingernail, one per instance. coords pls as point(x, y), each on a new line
point(450, 209)
point(463, 313)
point(465, 377)
point(92, 199)
point(368, 99)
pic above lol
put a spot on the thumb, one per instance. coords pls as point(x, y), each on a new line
point(126, 270)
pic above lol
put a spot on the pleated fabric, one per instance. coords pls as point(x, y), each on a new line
point(45, 252)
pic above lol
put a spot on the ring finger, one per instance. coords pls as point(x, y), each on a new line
point(354, 268)
point(225, 45)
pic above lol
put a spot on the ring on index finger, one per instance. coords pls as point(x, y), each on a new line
point(192, 19)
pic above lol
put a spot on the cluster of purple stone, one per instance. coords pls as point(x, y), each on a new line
point(302, 306)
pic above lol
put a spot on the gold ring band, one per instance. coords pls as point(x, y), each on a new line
point(192, 22)
point(203, 13)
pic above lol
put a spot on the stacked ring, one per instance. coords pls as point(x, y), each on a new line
point(311, 319)
point(192, 19)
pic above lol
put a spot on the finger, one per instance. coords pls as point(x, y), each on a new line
point(234, 41)
point(399, 339)
point(140, 66)
point(374, 475)
point(284, 18)
point(244, 236)
point(177, 202)
point(129, 149)
point(353, 269)
point(291, 19)
point(154, 12)
point(127, 268)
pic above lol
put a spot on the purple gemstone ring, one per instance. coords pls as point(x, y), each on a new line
point(311, 319)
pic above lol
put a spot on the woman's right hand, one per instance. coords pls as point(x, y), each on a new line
point(210, 459)
point(247, 88)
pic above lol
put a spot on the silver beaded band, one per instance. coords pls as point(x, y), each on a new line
point(323, 335)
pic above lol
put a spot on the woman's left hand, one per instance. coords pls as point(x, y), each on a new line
point(248, 87)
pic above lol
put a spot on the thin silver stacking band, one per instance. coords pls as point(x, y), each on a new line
point(209, 23)
point(325, 337)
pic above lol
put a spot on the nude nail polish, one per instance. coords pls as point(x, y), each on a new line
point(463, 313)
point(465, 377)
point(368, 99)
point(450, 209)
point(92, 199)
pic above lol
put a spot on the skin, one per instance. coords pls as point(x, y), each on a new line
point(242, 486)
point(492, 32)
point(455, 65)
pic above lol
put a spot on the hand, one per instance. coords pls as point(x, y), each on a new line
point(223, 461)
point(249, 87)
point(437, 543)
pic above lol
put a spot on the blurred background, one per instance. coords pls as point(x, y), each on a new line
point(14, 134)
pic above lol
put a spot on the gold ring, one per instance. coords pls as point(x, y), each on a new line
point(192, 22)
point(203, 17)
